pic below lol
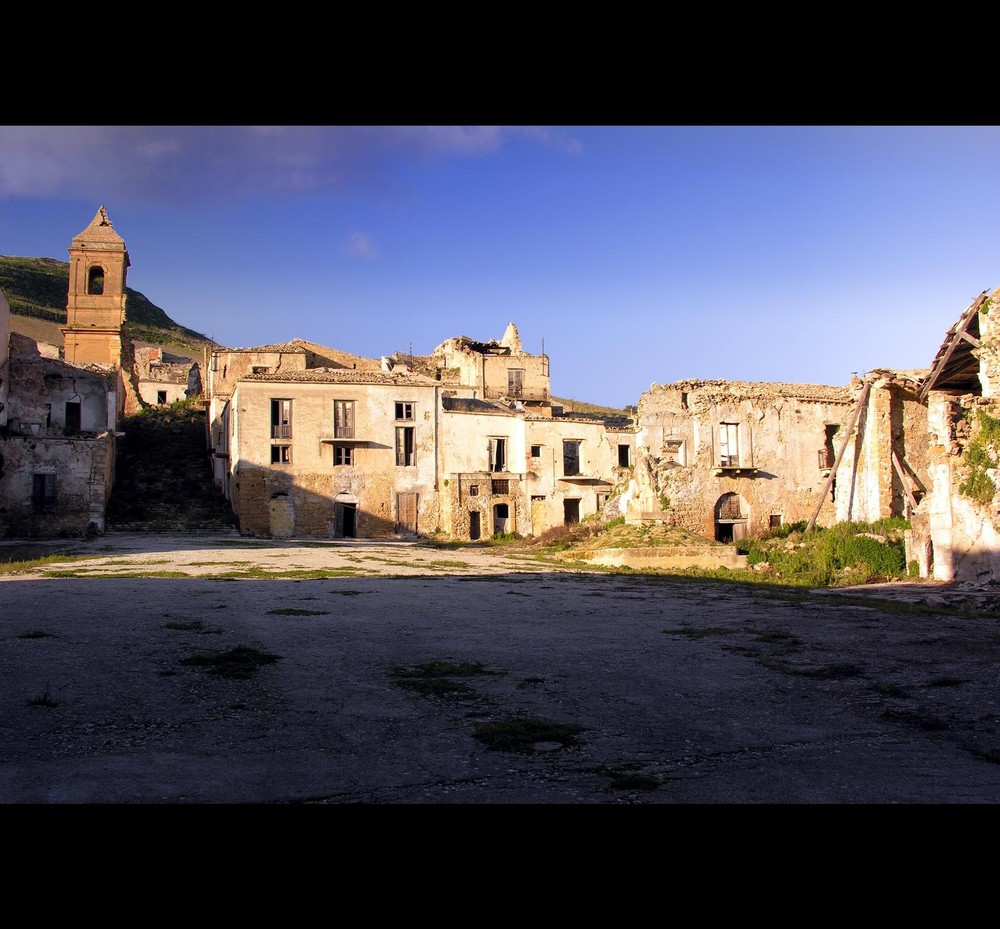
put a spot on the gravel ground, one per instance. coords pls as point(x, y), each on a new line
point(391, 680)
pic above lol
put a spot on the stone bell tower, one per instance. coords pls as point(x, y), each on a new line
point(96, 331)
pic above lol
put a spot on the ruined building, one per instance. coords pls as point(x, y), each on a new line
point(466, 442)
point(60, 417)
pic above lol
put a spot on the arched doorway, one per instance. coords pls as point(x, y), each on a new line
point(345, 516)
point(501, 517)
point(731, 518)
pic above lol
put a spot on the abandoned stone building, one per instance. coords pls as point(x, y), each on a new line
point(466, 442)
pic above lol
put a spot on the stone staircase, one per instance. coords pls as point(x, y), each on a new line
point(163, 479)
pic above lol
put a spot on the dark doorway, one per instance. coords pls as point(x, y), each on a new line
point(501, 516)
point(474, 530)
point(346, 517)
point(571, 512)
point(72, 417)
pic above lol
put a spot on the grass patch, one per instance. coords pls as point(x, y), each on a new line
point(447, 564)
point(836, 671)
point(240, 663)
point(702, 632)
point(292, 611)
point(90, 574)
point(437, 678)
point(304, 574)
point(23, 566)
point(521, 735)
point(924, 721)
point(34, 634)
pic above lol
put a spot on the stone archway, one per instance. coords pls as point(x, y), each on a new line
point(732, 516)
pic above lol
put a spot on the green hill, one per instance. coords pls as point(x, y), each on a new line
point(36, 289)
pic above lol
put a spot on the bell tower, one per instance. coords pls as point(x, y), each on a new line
point(96, 330)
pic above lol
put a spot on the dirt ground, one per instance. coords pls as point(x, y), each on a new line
point(395, 682)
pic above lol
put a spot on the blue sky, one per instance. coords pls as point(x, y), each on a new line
point(633, 254)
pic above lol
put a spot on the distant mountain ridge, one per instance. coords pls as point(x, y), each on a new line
point(37, 289)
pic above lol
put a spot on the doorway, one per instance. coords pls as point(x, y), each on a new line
point(571, 512)
point(501, 517)
point(732, 516)
point(474, 529)
point(345, 516)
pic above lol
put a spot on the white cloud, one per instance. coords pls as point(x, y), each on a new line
point(361, 245)
point(185, 164)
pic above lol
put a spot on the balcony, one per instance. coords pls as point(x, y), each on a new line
point(522, 393)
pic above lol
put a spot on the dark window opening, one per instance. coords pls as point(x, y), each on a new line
point(775, 521)
point(827, 455)
point(624, 456)
point(406, 446)
point(536, 451)
point(571, 512)
point(571, 458)
point(501, 487)
point(501, 516)
point(281, 419)
point(343, 455)
point(43, 493)
point(95, 281)
point(72, 417)
point(404, 410)
point(255, 369)
point(343, 419)
point(161, 397)
point(473, 490)
point(498, 454)
point(281, 454)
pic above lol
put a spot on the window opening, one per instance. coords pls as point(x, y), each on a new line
point(343, 419)
point(571, 512)
point(536, 451)
point(515, 382)
point(281, 454)
point(95, 281)
point(161, 397)
point(43, 493)
point(827, 455)
point(729, 445)
point(281, 419)
point(571, 458)
point(498, 454)
point(404, 410)
point(72, 417)
point(343, 455)
point(624, 456)
point(405, 446)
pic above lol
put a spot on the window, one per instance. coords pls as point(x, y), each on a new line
point(255, 369)
point(95, 281)
point(281, 419)
point(343, 455)
point(161, 397)
point(729, 445)
point(500, 487)
point(343, 419)
point(43, 493)
point(281, 454)
point(406, 446)
point(827, 456)
point(624, 456)
point(404, 410)
point(536, 451)
point(774, 521)
point(602, 501)
point(498, 454)
point(72, 417)
point(571, 458)
point(473, 490)
point(515, 382)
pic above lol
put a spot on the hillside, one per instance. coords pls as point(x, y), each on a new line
point(36, 290)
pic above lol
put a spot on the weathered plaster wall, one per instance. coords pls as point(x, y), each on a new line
point(83, 469)
point(779, 431)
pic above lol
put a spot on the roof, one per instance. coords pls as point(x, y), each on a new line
point(761, 390)
point(342, 376)
point(302, 346)
point(99, 234)
point(470, 405)
point(956, 365)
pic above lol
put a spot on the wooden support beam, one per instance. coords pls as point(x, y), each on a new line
point(971, 339)
point(960, 327)
point(843, 448)
point(902, 479)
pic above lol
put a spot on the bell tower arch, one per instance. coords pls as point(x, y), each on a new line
point(96, 330)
